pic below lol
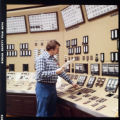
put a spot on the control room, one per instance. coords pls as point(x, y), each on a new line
point(84, 74)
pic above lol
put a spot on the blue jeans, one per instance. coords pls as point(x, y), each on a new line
point(46, 96)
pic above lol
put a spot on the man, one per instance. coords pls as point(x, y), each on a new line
point(47, 71)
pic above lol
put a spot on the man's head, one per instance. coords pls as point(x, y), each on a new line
point(53, 47)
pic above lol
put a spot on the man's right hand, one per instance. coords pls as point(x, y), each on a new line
point(60, 70)
point(75, 85)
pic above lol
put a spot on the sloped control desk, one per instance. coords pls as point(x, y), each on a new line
point(95, 96)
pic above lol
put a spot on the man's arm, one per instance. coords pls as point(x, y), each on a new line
point(40, 69)
point(65, 77)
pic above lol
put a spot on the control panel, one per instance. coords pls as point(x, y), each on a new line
point(23, 82)
point(96, 94)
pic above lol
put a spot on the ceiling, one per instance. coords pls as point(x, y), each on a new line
point(17, 6)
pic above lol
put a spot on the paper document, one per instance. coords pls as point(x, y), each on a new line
point(67, 63)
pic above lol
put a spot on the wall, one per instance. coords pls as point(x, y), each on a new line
point(32, 38)
point(98, 31)
point(99, 37)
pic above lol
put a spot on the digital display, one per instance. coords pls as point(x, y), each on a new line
point(110, 69)
point(16, 25)
point(105, 69)
point(85, 40)
point(23, 45)
point(10, 46)
point(74, 42)
point(114, 34)
point(102, 57)
point(43, 22)
point(70, 51)
point(68, 43)
point(12, 53)
point(26, 68)
point(94, 11)
point(81, 80)
point(72, 15)
point(114, 56)
point(85, 48)
point(116, 69)
point(95, 69)
point(77, 50)
point(91, 81)
point(25, 52)
point(112, 85)
point(81, 68)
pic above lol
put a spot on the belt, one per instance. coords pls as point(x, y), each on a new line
point(47, 83)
